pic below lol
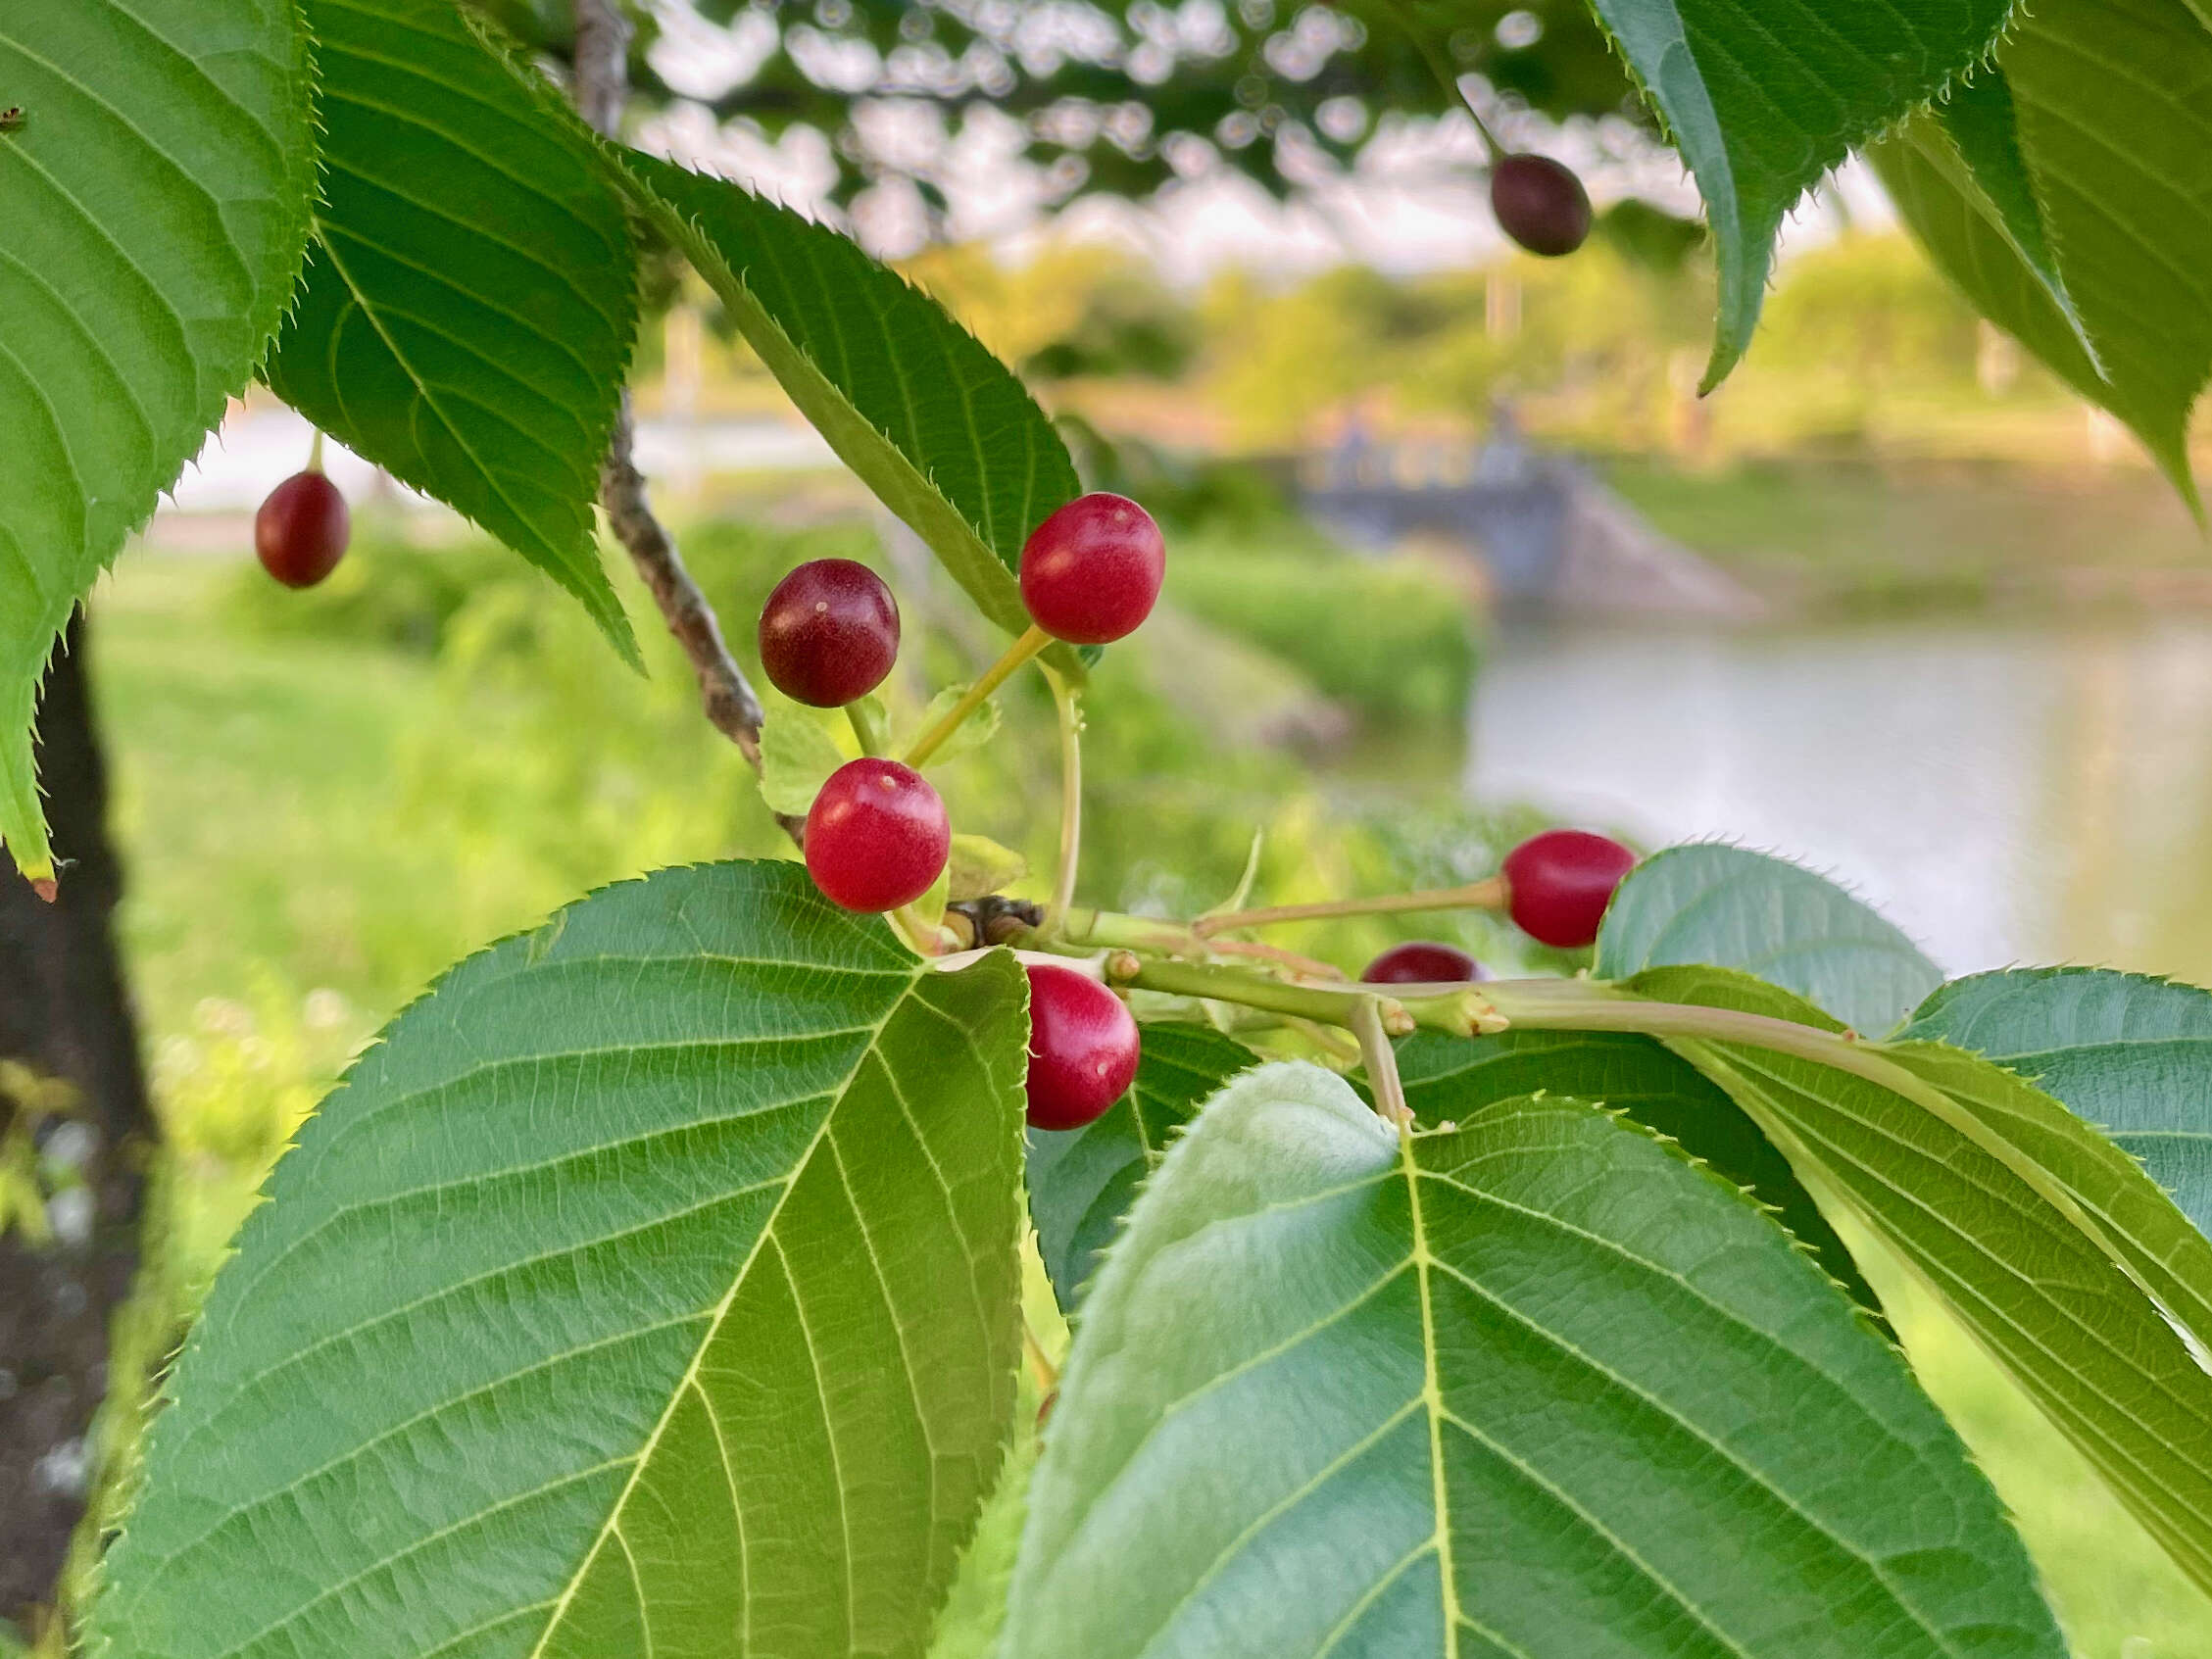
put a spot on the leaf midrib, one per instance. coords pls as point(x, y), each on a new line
point(715, 1318)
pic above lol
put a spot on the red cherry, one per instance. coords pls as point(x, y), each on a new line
point(1539, 203)
point(1422, 963)
point(876, 836)
point(1560, 883)
point(830, 633)
point(302, 529)
point(1083, 1048)
point(1092, 572)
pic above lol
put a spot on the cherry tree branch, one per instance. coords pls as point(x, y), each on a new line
point(601, 90)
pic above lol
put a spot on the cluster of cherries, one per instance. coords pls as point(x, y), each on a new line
point(877, 835)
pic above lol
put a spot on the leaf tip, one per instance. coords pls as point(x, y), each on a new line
point(47, 888)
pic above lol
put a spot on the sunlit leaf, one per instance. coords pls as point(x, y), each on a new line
point(649, 1290)
point(154, 203)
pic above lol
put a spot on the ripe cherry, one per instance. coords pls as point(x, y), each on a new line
point(1092, 572)
point(1558, 884)
point(876, 836)
point(1539, 203)
point(830, 633)
point(1422, 963)
point(1083, 1048)
point(301, 531)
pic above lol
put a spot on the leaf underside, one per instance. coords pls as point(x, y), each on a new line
point(152, 209)
point(1762, 100)
point(937, 427)
point(1736, 908)
point(649, 1290)
point(1534, 1388)
point(470, 298)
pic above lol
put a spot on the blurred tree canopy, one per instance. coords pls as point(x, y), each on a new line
point(1117, 96)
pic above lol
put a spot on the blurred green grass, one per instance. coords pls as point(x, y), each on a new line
point(325, 800)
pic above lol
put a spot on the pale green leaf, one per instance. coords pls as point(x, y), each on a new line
point(980, 867)
point(1537, 1387)
point(1761, 101)
point(1736, 908)
point(924, 415)
point(1448, 1079)
point(2130, 1054)
point(2114, 100)
point(1977, 118)
point(470, 298)
point(152, 209)
point(798, 752)
point(973, 733)
point(649, 1290)
point(1964, 1197)
point(1082, 1181)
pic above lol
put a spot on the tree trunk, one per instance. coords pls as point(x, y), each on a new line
point(65, 1014)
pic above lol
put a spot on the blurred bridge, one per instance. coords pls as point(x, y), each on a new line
point(1543, 533)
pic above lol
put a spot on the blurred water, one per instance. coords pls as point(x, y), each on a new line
point(2005, 791)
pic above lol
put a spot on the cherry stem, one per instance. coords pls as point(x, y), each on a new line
point(1459, 1010)
point(315, 451)
point(1448, 75)
point(866, 727)
point(994, 676)
point(1382, 1064)
point(1489, 893)
point(1114, 930)
point(1071, 704)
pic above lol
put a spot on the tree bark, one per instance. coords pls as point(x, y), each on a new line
point(65, 1014)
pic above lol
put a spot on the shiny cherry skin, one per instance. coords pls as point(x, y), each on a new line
point(1541, 204)
point(1091, 572)
point(830, 633)
point(302, 529)
point(876, 836)
point(1558, 884)
point(1083, 1048)
point(1423, 961)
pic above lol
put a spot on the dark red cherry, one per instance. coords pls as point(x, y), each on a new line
point(301, 531)
point(830, 633)
point(1422, 963)
point(1560, 883)
point(1083, 1048)
point(1539, 203)
point(876, 836)
point(1092, 572)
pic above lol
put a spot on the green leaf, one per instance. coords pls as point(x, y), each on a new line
point(924, 415)
point(980, 867)
point(1538, 1387)
point(155, 204)
point(973, 733)
point(2116, 125)
point(1971, 241)
point(649, 1290)
point(1977, 118)
point(1736, 908)
point(1082, 1181)
point(2037, 1290)
point(470, 298)
point(1761, 101)
point(798, 752)
point(2130, 1055)
point(1449, 1079)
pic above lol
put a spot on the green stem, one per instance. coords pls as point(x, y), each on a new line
point(315, 451)
point(1462, 1012)
point(1448, 76)
point(997, 675)
point(1069, 703)
point(1489, 893)
point(866, 727)
point(1382, 1064)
